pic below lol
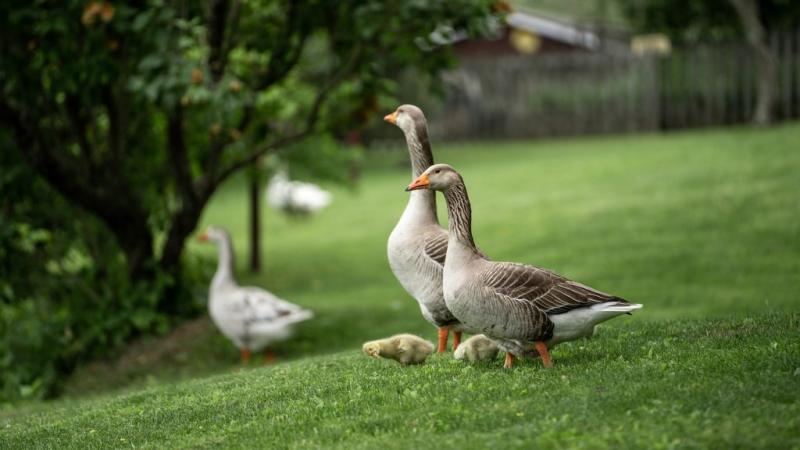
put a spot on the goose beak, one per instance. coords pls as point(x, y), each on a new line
point(391, 118)
point(420, 183)
point(203, 237)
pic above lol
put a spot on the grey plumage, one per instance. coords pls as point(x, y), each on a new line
point(417, 245)
point(513, 304)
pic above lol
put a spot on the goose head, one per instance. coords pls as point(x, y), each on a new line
point(407, 117)
point(438, 177)
point(213, 234)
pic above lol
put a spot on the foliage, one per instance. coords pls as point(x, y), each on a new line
point(158, 104)
point(64, 296)
point(135, 112)
point(704, 20)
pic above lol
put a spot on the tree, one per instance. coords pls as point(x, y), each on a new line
point(749, 16)
point(689, 21)
point(137, 111)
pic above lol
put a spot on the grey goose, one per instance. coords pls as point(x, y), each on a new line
point(418, 245)
point(524, 309)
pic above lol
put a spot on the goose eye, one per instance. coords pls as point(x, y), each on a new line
point(437, 170)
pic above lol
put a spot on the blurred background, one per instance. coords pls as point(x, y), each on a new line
point(645, 147)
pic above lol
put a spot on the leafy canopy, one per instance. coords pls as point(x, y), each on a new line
point(135, 112)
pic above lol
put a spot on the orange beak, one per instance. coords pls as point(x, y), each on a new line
point(420, 183)
point(203, 237)
point(391, 118)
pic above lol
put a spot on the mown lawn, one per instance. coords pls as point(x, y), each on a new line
point(701, 227)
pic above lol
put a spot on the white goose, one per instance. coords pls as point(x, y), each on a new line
point(417, 245)
point(520, 307)
point(296, 198)
point(250, 317)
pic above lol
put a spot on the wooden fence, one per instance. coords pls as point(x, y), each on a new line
point(593, 93)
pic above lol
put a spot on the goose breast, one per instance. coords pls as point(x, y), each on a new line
point(417, 261)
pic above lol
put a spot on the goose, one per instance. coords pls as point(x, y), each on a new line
point(520, 307)
point(296, 198)
point(250, 317)
point(417, 245)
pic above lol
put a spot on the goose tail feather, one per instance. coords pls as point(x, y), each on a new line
point(617, 307)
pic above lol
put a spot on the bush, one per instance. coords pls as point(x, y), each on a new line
point(64, 296)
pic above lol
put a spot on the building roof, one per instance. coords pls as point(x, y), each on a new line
point(553, 30)
point(535, 24)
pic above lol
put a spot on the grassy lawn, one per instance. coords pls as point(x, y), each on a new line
point(701, 227)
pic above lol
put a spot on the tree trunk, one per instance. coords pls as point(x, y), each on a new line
point(115, 205)
point(748, 13)
point(255, 219)
point(136, 241)
point(183, 223)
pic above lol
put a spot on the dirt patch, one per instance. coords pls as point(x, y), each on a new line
point(190, 348)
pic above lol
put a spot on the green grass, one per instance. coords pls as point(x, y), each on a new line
point(670, 384)
point(701, 227)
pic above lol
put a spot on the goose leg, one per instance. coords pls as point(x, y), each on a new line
point(269, 356)
point(541, 347)
point(456, 339)
point(443, 332)
point(509, 360)
point(245, 353)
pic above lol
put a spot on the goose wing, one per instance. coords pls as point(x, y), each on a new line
point(532, 294)
point(436, 246)
point(257, 307)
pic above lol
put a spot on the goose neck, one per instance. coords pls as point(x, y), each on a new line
point(419, 149)
point(421, 208)
point(422, 203)
point(224, 275)
point(459, 214)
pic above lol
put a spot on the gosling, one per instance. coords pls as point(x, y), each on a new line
point(403, 348)
point(477, 348)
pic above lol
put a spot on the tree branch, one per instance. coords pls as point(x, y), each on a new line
point(233, 24)
point(285, 55)
point(283, 60)
point(747, 10)
point(217, 55)
point(43, 160)
point(748, 13)
point(107, 198)
point(78, 124)
point(176, 150)
point(114, 131)
point(310, 122)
